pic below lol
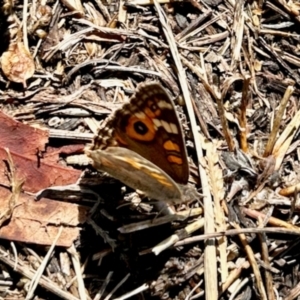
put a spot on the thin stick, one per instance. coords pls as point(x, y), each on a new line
point(278, 117)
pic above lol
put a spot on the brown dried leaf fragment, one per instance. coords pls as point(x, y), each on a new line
point(17, 63)
point(38, 222)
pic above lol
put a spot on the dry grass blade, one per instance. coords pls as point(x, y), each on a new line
point(37, 276)
point(283, 142)
point(210, 250)
point(265, 256)
point(217, 189)
point(188, 230)
point(242, 116)
point(78, 271)
point(253, 263)
point(277, 121)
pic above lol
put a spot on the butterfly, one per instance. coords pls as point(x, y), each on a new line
point(142, 145)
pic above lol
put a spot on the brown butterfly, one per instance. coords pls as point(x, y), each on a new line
point(142, 145)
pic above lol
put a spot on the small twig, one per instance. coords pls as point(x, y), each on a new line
point(253, 263)
point(242, 116)
point(24, 24)
point(273, 135)
point(98, 296)
point(266, 260)
point(116, 287)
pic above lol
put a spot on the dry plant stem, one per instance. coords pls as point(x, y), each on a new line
point(134, 292)
point(76, 264)
point(71, 135)
point(193, 25)
point(87, 63)
point(203, 237)
point(262, 179)
point(258, 279)
point(75, 38)
point(292, 59)
point(116, 287)
point(289, 9)
point(199, 29)
point(294, 293)
point(240, 287)
point(210, 273)
point(13, 247)
point(149, 223)
point(242, 116)
point(201, 75)
point(103, 287)
point(215, 175)
point(103, 10)
point(278, 58)
point(289, 190)
point(188, 230)
point(234, 275)
point(180, 216)
point(272, 221)
point(44, 281)
point(35, 280)
point(127, 69)
point(210, 39)
point(224, 123)
point(201, 121)
point(189, 296)
point(24, 24)
point(265, 257)
point(272, 138)
point(278, 33)
point(283, 142)
point(275, 8)
point(237, 36)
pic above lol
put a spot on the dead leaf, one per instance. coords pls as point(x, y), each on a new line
point(21, 138)
point(39, 221)
point(25, 219)
point(27, 146)
point(17, 63)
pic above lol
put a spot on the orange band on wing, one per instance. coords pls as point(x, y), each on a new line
point(170, 146)
point(149, 112)
point(162, 179)
point(175, 159)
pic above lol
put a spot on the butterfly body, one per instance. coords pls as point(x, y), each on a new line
point(142, 145)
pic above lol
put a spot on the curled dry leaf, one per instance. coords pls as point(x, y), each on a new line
point(17, 63)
